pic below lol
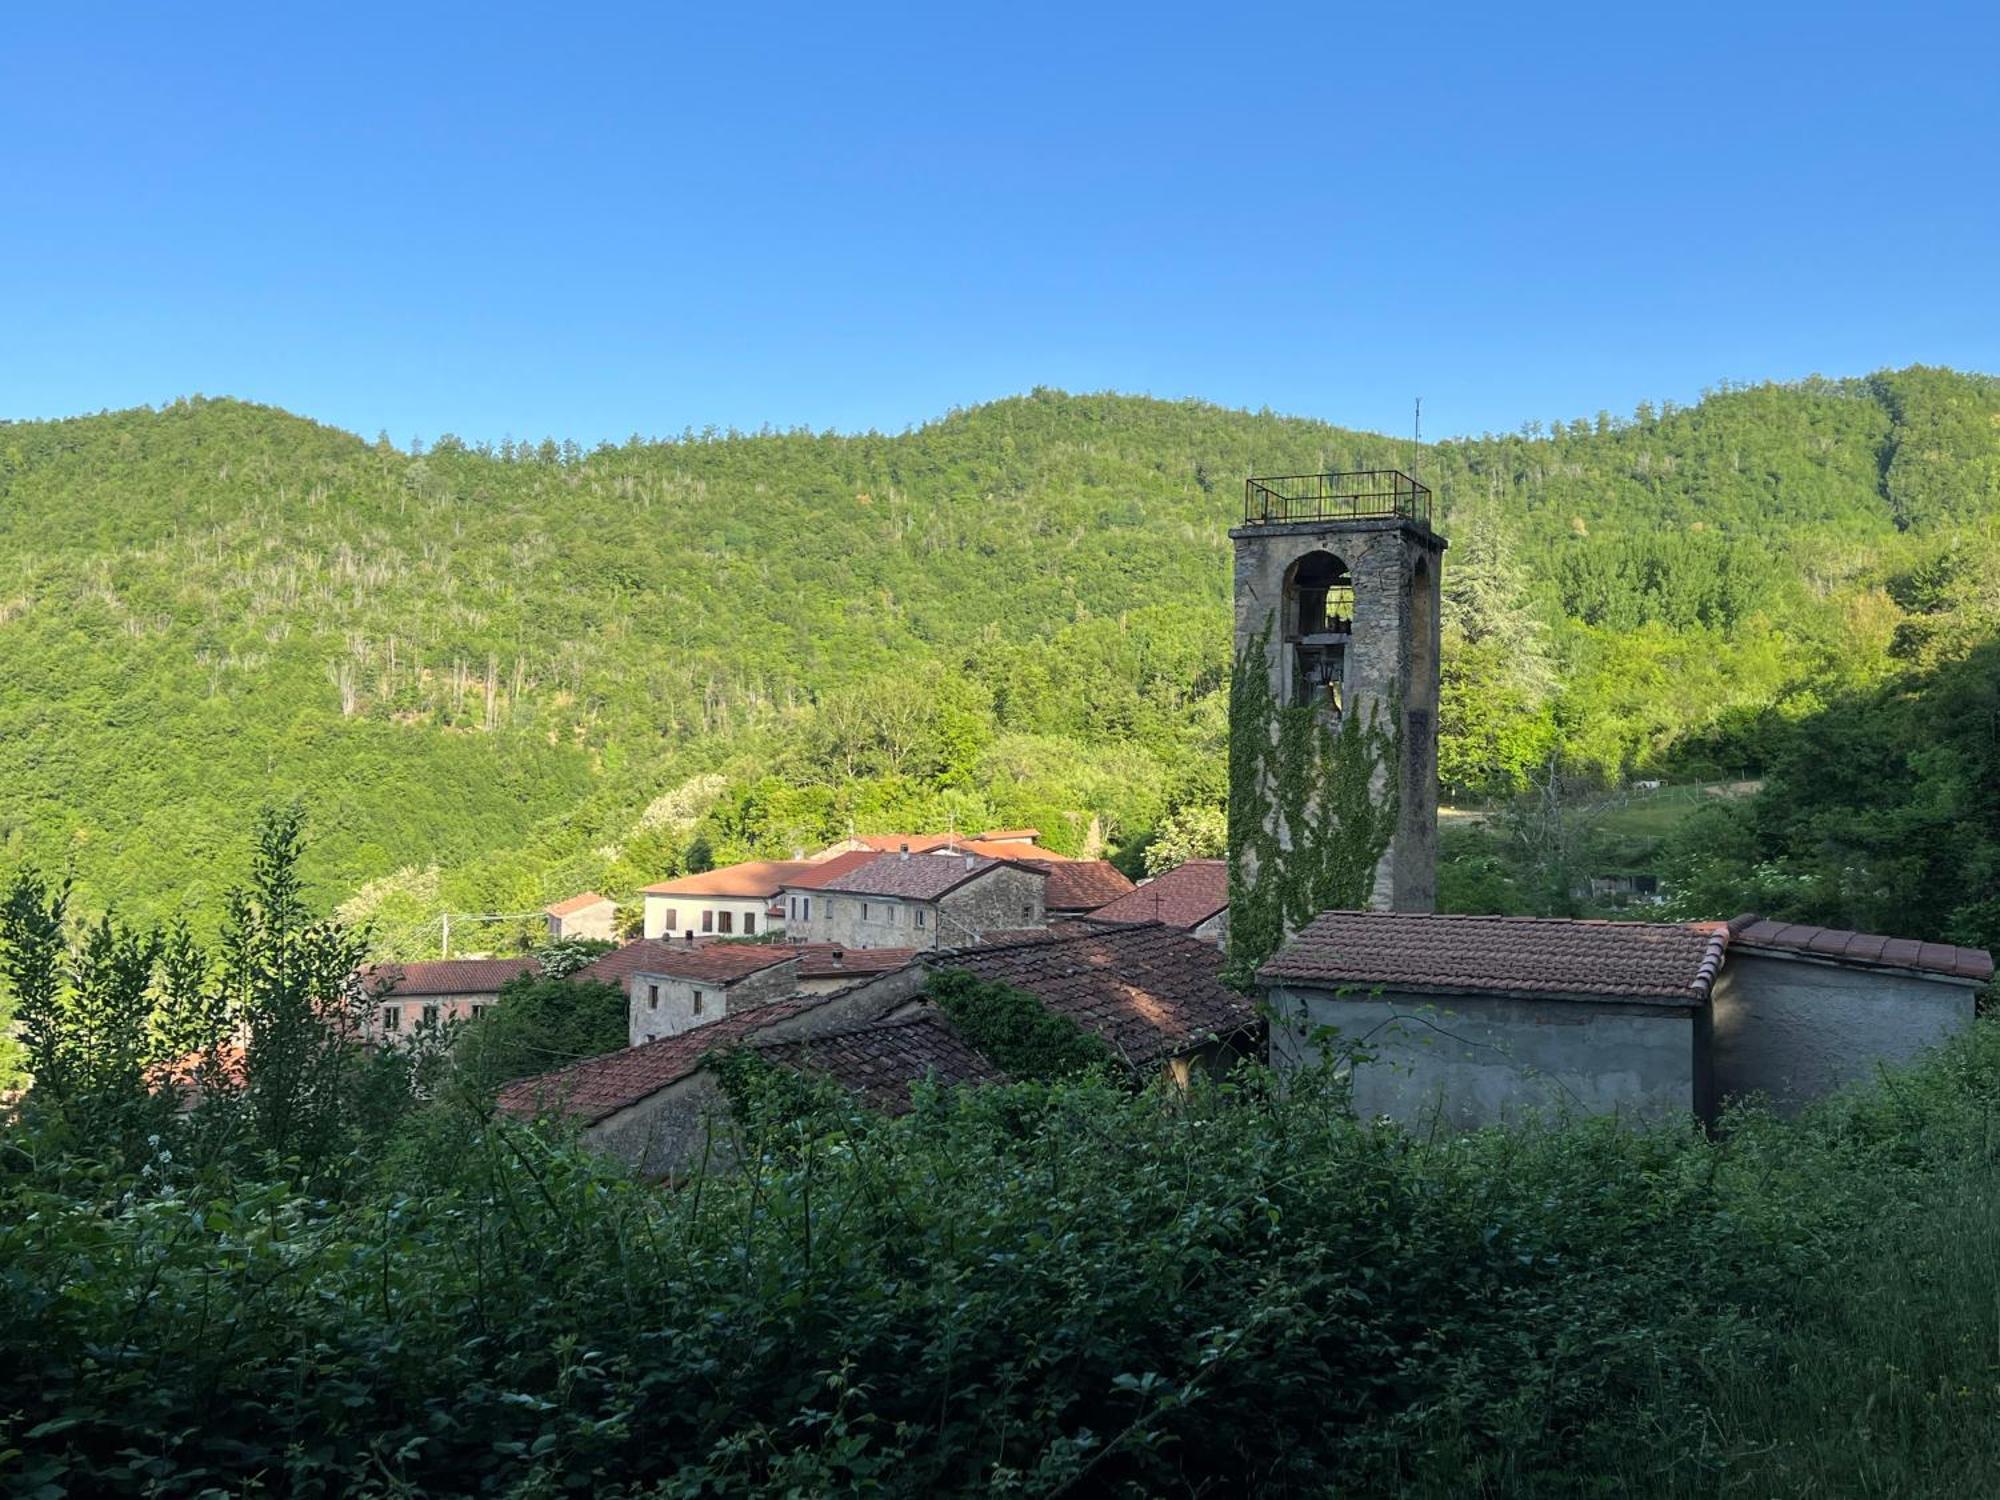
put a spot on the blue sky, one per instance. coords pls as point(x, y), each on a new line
point(589, 221)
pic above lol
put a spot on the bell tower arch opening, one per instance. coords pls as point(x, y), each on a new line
point(1318, 628)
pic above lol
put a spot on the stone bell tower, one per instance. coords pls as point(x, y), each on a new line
point(1337, 588)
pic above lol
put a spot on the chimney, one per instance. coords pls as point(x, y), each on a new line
point(689, 935)
point(905, 846)
point(969, 857)
point(837, 956)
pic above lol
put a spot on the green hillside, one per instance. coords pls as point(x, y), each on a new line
point(497, 677)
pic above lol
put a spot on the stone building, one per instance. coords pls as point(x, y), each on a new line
point(1336, 588)
point(588, 915)
point(676, 987)
point(407, 996)
point(1468, 1021)
point(923, 901)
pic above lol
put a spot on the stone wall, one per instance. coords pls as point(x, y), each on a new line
point(1466, 1061)
point(684, 1125)
point(1793, 1029)
point(677, 1010)
point(1005, 898)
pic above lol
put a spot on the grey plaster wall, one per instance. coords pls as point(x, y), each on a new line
point(1391, 664)
point(1004, 898)
point(676, 1011)
point(868, 922)
point(1794, 1029)
point(1467, 1061)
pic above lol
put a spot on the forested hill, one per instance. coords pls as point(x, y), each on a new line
point(498, 677)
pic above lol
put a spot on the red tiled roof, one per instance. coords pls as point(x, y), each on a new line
point(1185, 896)
point(1665, 962)
point(1083, 884)
point(446, 976)
point(879, 1060)
point(816, 874)
point(1149, 992)
point(754, 880)
point(917, 878)
point(598, 1087)
point(830, 960)
point(711, 963)
point(575, 904)
point(997, 845)
point(1869, 948)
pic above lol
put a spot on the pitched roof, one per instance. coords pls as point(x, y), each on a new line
point(755, 880)
point(1003, 843)
point(1185, 896)
point(817, 873)
point(1083, 884)
point(1659, 962)
point(710, 963)
point(576, 904)
point(1149, 992)
point(915, 878)
point(598, 1087)
point(446, 976)
point(879, 1060)
point(1869, 948)
point(831, 960)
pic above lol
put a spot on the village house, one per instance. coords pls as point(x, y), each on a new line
point(907, 900)
point(672, 987)
point(735, 901)
point(826, 967)
point(586, 916)
point(1193, 897)
point(404, 997)
point(995, 843)
point(1466, 1021)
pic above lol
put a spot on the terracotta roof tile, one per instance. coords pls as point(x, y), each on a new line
point(753, 880)
point(816, 874)
point(599, 1087)
point(917, 878)
point(1185, 896)
point(575, 904)
point(1666, 962)
point(879, 1060)
point(830, 960)
point(1842, 946)
point(1149, 992)
point(446, 976)
point(711, 963)
point(1077, 885)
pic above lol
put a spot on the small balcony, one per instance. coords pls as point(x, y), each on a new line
point(1365, 494)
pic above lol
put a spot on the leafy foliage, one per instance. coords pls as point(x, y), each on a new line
point(541, 1022)
point(1023, 1037)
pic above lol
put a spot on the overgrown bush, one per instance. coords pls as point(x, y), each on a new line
point(1038, 1288)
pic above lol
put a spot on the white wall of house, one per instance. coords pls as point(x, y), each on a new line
point(709, 916)
point(594, 921)
point(661, 1005)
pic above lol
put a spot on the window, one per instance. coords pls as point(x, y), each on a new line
point(806, 908)
point(672, 922)
point(864, 911)
point(392, 1017)
point(479, 1010)
point(923, 917)
point(652, 997)
point(430, 1015)
point(697, 1002)
point(749, 923)
point(1027, 916)
point(708, 921)
point(725, 921)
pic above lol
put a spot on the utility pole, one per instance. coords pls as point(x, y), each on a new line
point(444, 938)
